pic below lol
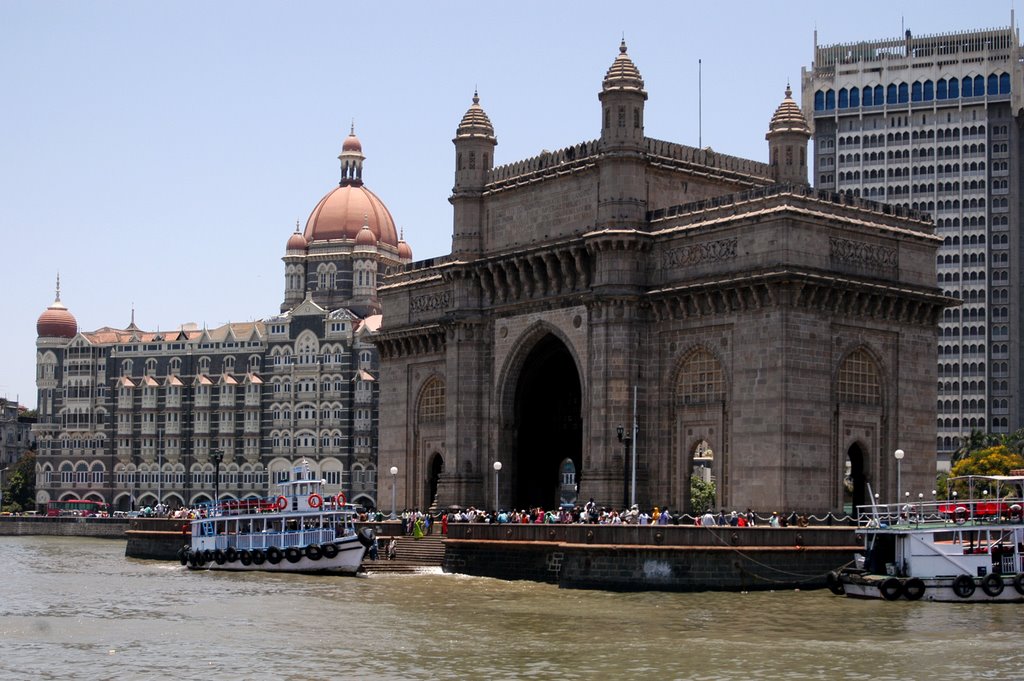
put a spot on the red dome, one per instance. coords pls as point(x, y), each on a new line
point(296, 242)
point(365, 237)
point(343, 212)
point(56, 322)
point(351, 143)
point(404, 250)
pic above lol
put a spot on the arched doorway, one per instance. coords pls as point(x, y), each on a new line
point(855, 492)
point(436, 468)
point(549, 426)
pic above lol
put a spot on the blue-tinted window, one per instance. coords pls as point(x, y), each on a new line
point(941, 89)
point(844, 99)
point(819, 101)
point(979, 86)
point(904, 93)
point(890, 94)
point(868, 99)
point(915, 92)
point(854, 97)
point(879, 100)
point(993, 84)
point(954, 88)
point(830, 99)
point(1004, 83)
point(929, 91)
point(967, 87)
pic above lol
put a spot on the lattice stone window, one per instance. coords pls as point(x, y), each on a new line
point(858, 379)
point(701, 378)
point(432, 401)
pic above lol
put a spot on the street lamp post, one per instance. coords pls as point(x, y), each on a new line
point(497, 469)
point(899, 459)
point(160, 468)
point(217, 457)
point(625, 439)
point(394, 473)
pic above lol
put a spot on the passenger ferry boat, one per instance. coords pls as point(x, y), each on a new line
point(296, 531)
point(965, 549)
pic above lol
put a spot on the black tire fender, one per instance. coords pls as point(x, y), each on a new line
point(891, 588)
point(274, 555)
point(293, 554)
point(314, 552)
point(914, 588)
point(835, 583)
point(992, 585)
point(963, 586)
point(329, 550)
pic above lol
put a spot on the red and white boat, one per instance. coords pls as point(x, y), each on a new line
point(297, 530)
point(965, 549)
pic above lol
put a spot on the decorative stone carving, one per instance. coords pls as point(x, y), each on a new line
point(861, 255)
point(431, 301)
point(695, 254)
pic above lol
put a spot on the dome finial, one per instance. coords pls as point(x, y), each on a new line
point(296, 225)
point(476, 95)
point(57, 298)
point(352, 128)
point(789, 91)
point(622, 45)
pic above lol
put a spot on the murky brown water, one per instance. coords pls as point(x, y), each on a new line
point(77, 609)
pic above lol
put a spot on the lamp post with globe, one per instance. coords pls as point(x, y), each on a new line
point(394, 474)
point(497, 469)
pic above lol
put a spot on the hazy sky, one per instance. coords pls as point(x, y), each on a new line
point(158, 154)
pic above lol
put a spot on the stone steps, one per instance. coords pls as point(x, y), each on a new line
point(411, 556)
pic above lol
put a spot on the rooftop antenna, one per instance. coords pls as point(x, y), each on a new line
point(700, 121)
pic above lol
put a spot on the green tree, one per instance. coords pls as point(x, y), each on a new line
point(974, 442)
point(20, 487)
point(702, 495)
point(997, 460)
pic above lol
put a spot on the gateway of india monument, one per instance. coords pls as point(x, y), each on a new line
point(625, 313)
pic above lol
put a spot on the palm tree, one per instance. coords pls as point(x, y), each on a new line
point(972, 443)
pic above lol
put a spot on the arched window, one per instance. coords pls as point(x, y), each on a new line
point(701, 379)
point(431, 407)
point(858, 379)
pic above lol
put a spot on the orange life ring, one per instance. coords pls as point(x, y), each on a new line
point(340, 499)
point(282, 503)
point(315, 500)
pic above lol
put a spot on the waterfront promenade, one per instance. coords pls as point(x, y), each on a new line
point(610, 557)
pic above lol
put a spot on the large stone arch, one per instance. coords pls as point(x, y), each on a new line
point(859, 393)
point(698, 389)
point(540, 399)
point(429, 416)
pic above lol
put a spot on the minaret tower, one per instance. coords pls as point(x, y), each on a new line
point(474, 156)
point(787, 137)
point(623, 194)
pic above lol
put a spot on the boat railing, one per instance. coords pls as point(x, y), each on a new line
point(947, 512)
point(282, 540)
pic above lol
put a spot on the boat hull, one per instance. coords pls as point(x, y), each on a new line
point(347, 561)
point(997, 589)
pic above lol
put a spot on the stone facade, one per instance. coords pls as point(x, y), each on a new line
point(784, 334)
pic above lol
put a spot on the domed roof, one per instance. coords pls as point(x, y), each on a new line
point(788, 117)
point(56, 320)
point(343, 211)
point(404, 249)
point(352, 142)
point(296, 242)
point(475, 121)
point(366, 237)
point(623, 73)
